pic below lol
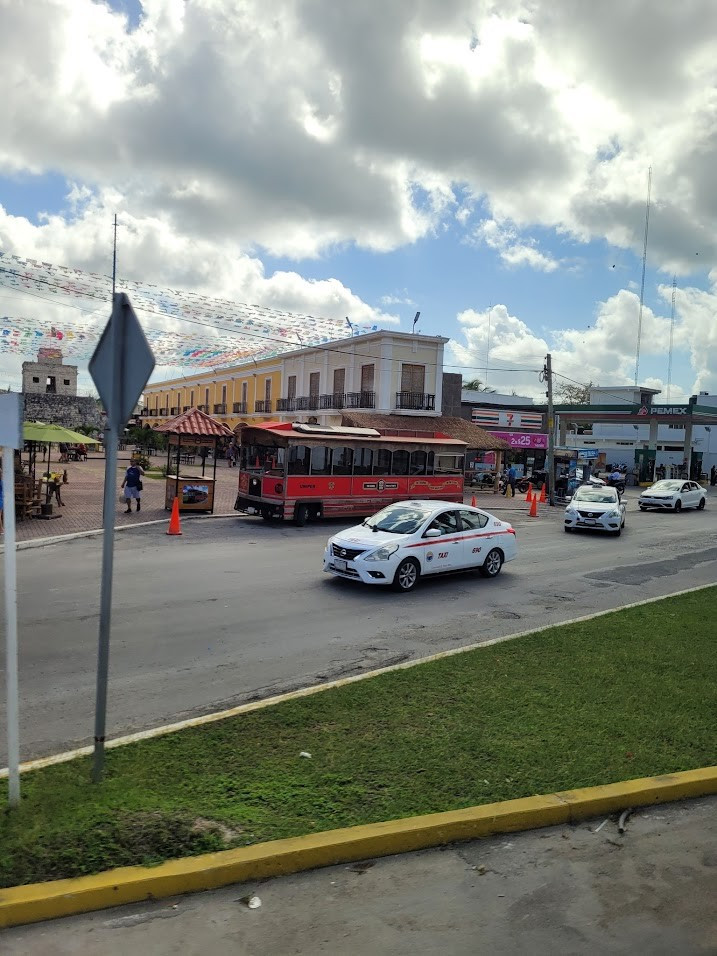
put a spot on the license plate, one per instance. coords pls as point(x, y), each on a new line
point(340, 564)
point(251, 511)
point(589, 521)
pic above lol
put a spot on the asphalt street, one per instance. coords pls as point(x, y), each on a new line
point(578, 890)
point(237, 609)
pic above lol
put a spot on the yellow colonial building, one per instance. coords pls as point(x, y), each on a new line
point(382, 372)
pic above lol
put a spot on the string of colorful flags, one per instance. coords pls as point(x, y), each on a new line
point(233, 333)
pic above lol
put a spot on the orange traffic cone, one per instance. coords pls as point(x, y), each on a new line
point(543, 496)
point(533, 513)
point(529, 493)
point(473, 501)
point(174, 525)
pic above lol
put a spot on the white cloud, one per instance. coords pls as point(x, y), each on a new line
point(400, 298)
point(604, 353)
point(299, 125)
point(512, 250)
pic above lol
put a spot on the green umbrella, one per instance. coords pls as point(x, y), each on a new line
point(47, 434)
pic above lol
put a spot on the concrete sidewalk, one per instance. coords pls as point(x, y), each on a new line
point(581, 889)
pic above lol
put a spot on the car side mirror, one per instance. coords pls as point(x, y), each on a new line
point(433, 533)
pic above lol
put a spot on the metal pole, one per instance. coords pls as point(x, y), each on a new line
point(642, 281)
point(103, 655)
point(13, 734)
point(111, 440)
point(114, 260)
point(551, 429)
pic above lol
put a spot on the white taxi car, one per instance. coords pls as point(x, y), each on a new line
point(596, 509)
point(409, 539)
point(673, 494)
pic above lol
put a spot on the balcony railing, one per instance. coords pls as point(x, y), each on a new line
point(263, 407)
point(333, 400)
point(239, 408)
point(286, 404)
point(307, 403)
point(220, 409)
point(174, 410)
point(360, 400)
point(201, 408)
point(164, 411)
point(186, 408)
point(416, 401)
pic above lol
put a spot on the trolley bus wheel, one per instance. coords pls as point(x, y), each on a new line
point(301, 515)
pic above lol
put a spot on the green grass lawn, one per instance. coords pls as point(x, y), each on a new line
point(626, 695)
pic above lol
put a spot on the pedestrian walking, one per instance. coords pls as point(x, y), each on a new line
point(2, 504)
point(132, 485)
point(713, 475)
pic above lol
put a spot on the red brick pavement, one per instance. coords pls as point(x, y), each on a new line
point(83, 493)
point(83, 499)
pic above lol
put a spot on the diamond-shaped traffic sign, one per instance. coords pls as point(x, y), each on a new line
point(122, 362)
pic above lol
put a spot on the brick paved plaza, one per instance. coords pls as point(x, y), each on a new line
point(83, 493)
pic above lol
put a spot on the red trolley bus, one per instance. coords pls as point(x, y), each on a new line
point(303, 471)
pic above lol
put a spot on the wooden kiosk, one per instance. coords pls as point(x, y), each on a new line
point(191, 435)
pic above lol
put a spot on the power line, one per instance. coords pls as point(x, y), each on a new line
point(263, 338)
point(620, 398)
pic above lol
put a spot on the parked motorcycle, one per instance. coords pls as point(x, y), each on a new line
point(484, 479)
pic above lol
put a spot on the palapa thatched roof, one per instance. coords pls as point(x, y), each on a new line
point(459, 428)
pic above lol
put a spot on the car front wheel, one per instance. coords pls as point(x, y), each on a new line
point(406, 576)
point(492, 564)
point(678, 505)
point(701, 504)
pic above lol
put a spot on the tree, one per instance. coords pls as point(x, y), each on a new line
point(574, 394)
point(475, 385)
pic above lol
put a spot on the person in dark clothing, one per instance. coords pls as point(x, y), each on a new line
point(132, 485)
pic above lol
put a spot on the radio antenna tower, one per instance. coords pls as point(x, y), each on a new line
point(642, 283)
point(672, 336)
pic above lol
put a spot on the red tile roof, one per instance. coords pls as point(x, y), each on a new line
point(195, 423)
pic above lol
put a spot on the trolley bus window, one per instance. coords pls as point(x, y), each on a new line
point(343, 460)
point(449, 465)
point(419, 461)
point(299, 458)
point(382, 462)
point(362, 461)
point(400, 462)
point(262, 458)
point(320, 460)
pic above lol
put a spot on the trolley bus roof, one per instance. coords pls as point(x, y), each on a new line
point(300, 431)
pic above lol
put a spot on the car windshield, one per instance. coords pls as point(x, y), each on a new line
point(603, 496)
point(667, 485)
point(399, 519)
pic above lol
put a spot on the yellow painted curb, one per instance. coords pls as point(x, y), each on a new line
point(42, 901)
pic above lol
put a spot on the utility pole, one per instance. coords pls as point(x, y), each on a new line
point(114, 260)
point(547, 377)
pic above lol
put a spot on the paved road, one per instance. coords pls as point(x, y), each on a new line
point(560, 890)
point(237, 609)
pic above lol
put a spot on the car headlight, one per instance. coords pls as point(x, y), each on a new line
point(382, 554)
point(329, 543)
point(570, 510)
point(614, 513)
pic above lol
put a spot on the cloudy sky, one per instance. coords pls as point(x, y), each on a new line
point(483, 162)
